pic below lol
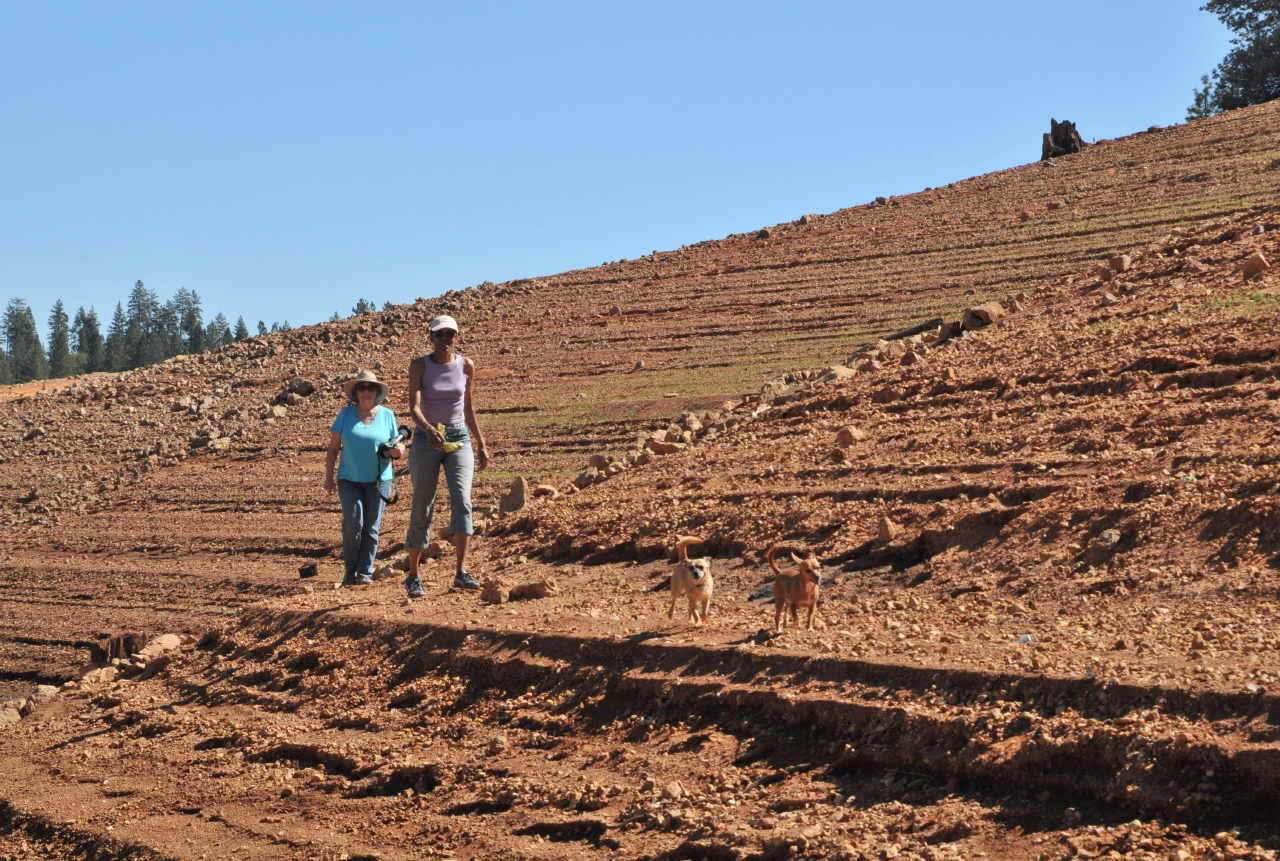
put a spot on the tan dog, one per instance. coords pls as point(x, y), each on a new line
point(798, 588)
point(691, 577)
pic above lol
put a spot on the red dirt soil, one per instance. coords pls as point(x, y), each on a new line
point(1047, 621)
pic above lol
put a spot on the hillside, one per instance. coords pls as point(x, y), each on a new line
point(1092, 474)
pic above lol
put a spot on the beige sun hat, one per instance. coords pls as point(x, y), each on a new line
point(365, 377)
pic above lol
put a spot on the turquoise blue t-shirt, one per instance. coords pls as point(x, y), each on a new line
point(360, 443)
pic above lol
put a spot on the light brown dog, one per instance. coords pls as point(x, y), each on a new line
point(795, 589)
point(691, 577)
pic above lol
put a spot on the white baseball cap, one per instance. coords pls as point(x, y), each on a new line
point(444, 321)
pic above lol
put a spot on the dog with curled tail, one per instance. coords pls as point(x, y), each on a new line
point(691, 577)
point(795, 589)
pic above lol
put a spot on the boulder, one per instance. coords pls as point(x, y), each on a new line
point(9, 716)
point(591, 475)
point(836, 373)
point(887, 531)
point(278, 411)
point(496, 591)
point(530, 591)
point(887, 395)
point(848, 435)
point(662, 448)
point(950, 330)
point(540, 490)
point(983, 315)
point(517, 497)
point(1121, 263)
point(599, 461)
point(912, 358)
point(1255, 266)
point(44, 693)
point(160, 645)
point(434, 550)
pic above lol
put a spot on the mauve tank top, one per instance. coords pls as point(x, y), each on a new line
point(443, 389)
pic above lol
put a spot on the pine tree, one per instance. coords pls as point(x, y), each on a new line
point(262, 328)
point(285, 327)
point(22, 340)
point(387, 306)
point(363, 306)
point(242, 331)
point(1250, 73)
point(191, 319)
point(6, 376)
point(88, 334)
point(115, 357)
point(60, 361)
point(217, 333)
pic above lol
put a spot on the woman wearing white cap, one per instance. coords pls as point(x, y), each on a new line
point(364, 476)
point(440, 388)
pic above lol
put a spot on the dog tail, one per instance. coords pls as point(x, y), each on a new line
point(772, 564)
point(683, 544)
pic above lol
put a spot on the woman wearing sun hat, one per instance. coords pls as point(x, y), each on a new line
point(364, 476)
point(441, 384)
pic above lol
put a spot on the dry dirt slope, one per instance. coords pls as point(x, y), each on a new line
point(1093, 474)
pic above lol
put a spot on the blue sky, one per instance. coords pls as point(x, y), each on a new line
point(283, 159)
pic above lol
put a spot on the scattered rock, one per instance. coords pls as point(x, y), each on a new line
point(9, 716)
point(887, 530)
point(673, 791)
point(497, 745)
point(983, 315)
point(44, 693)
point(1120, 263)
point(540, 490)
point(591, 475)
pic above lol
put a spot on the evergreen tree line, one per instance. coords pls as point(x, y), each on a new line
point(142, 331)
point(1250, 73)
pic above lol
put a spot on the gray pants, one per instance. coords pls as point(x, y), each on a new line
point(425, 463)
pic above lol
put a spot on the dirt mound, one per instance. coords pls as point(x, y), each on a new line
point(1046, 524)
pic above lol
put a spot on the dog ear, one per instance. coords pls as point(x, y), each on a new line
point(797, 559)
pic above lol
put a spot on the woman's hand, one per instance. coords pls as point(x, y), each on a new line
point(437, 438)
point(397, 452)
point(329, 486)
point(484, 459)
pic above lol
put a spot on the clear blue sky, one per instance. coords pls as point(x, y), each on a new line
point(283, 159)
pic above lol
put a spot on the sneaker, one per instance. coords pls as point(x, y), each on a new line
point(364, 580)
point(349, 580)
point(465, 581)
point(413, 586)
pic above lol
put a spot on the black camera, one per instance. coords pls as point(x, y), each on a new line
point(403, 435)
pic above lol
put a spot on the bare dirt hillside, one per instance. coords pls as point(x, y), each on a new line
point(1048, 621)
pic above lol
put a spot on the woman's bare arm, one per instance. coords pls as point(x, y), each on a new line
point(469, 411)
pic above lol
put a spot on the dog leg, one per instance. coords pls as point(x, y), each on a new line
point(813, 609)
point(675, 596)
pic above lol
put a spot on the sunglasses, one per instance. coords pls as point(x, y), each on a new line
point(445, 334)
point(367, 387)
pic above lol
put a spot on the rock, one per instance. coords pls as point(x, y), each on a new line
point(44, 693)
point(839, 456)
point(1108, 538)
point(278, 411)
point(301, 387)
point(912, 358)
point(434, 550)
point(808, 219)
point(887, 395)
point(9, 716)
point(950, 330)
point(160, 645)
point(763, 233)
point(599, 461)
point(180, 405)
point(848, 435)
point(647, 785)
point(517, 497)
point(1121, 263)
point(222, 443)
point(1108, 299)
point(836, 373)
point(496, 591)
point(532, 591)
point(1255, 266)
point(497, 745)
point(100, 675)
point(664, 447)
point(591, 475)
point(311, 569)
point(673, 791)
point(540, 490)
point(638, 365)
point(983, 315)
point(887, 529)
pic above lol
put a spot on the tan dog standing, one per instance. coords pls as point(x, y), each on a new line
point(796, 589)
point(691, 577)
